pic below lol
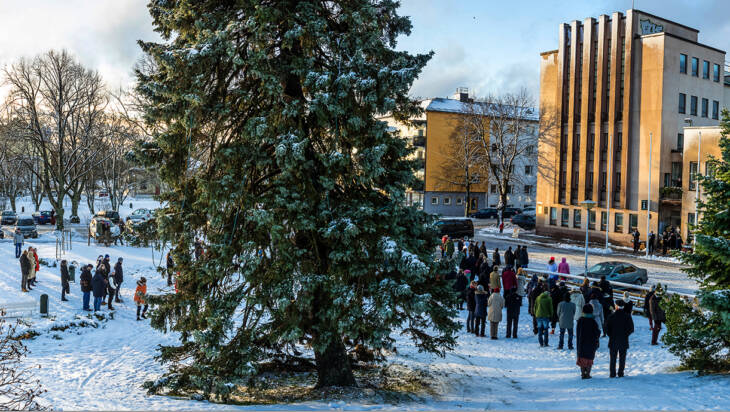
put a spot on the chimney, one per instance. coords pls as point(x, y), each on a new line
point(462, 94)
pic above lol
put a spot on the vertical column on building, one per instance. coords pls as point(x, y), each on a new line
point(585, 73)
point(628, 31)
point(615, 59)
point(572, 101)
point(563, 29)
point(600, 79)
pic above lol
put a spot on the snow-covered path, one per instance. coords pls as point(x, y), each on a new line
point(105, 367)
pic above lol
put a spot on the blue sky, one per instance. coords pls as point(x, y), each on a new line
point(493, 46)
point(486, 45)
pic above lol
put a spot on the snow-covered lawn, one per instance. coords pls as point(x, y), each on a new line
point(104, 367)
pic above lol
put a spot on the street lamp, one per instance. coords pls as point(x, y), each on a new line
point(587, 205)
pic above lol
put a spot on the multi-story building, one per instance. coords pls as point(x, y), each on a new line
point(432, 136)
point(621, 89)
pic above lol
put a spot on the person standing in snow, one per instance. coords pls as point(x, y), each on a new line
point(496, 259)
point(494, 279)
point(118, 275)
point(65, 278)
point(556, 295)
point(509, 279)
point(25, 272)
point(494, 315)
point(140, 294)
point(170, 268)
point(516, 256)
point(652, 240)
point(18, 240)
point(636, 240)
point(470, 307)
point(564, 267)
point(647, 301)
point(98, 286)
point(460, 284)
point(586, 341)
point(535, 289)
point(577, 298)
point(597, 311)
point(513, 301)
point(657, 314)
point(480, 310)
point(85, 280)
point(521, 284)
point(509, 257)
point(34, 266)
point(524, 257)
point(552, 267)
point(619, 326)
point(543, 312)
point(566, 315)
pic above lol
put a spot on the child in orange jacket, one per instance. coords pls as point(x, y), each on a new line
point(139, 297)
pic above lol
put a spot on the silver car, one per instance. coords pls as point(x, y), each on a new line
point(619, 272)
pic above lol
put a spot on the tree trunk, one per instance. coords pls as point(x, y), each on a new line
point(75, 200)
point(12, 203)
point(467, 203)
point(333, 365)
point(59, 216)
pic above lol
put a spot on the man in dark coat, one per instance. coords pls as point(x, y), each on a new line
point(509, 257)
point(85, 283)
point(24, 272)
point(587, 337)
point(652, 240)
point(524, 258)
point(516, 256)
point(636, 242)
point(98, 286)
point(619, 326)
point(657, 315)
point(118, 279)
point(513, 301)
point(647, 302)
point(460, 284)
point(496, 259)
point(65, 278)
point(531, 299)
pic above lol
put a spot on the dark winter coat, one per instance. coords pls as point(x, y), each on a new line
point(524, 258)
point(496, 259)
point(532, 297)
point(118, 273)
point(24, 264)
point(618, 328)
point(170, 262)
point(586, 291)
point(65, 278)
point(587, 335)
point(470, 300)
point(566, 314)
point(469, 263)
point(556, 294)
point(655, 309)
point(85, 280)
point(647, 302)
point(98, 284)
point(509, 257)
point(481, 298)
point(513, 301)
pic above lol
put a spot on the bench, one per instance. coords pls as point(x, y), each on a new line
point(19, 309)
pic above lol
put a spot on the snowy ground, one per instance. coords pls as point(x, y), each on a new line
point(104, 367)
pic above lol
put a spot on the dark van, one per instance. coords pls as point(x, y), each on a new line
point(455, 227)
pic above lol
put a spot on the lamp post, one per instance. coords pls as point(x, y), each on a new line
point(587, 205)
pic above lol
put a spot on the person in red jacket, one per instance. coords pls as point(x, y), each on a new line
point(509, 279)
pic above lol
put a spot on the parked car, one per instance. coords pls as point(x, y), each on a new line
point(102, 193)
point(524, 221)
point(8, 218)
point(511, 211)
point(488, 213)
point(45, 217)
point(529, 210)
point(455, 227)
point(26, 225)
point(103, 229)
point(619, 272)
point(140, 215)
point(111, 215)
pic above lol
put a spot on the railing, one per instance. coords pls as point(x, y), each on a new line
point(637, 293)
point(670, 193)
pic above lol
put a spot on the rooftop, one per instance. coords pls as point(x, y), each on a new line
point(445, 105)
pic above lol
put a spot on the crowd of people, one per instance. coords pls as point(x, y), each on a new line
point(488, 283)
point(670, 239)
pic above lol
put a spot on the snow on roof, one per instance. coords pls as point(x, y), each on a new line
point(440, 104)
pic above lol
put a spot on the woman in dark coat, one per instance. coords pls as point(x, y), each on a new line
point(65, 278)
point(587, 338)
point(98, 286)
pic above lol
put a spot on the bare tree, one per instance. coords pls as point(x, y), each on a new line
point(59, 105)
point(117, 172)
point(11, 167)
point(460, 168)
point(18, 389)
point(506, 129)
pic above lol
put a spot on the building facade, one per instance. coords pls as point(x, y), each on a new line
point(622, 88)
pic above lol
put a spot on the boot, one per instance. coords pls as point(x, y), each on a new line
point(138, 318)
point(144, 316)
point(24, 290)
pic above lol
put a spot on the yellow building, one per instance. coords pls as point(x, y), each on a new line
point(622, 88)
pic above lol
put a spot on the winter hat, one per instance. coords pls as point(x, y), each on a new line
point(480, 288)
point(552, 258)
point(588, 308)
point(562, 283)
point(106, 256)
point(143, 279)
point(119, 260)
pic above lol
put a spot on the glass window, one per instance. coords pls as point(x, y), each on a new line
point(680, 141)
point(474, 203)
point(715, 109)
point(553, 216)
point(509, 189)
point(633, 222)
point(564, 216)
point(693, 105)
point(683, 63)
point(716, 72)
point(682, 103)
point(618, 223)
point(528, 170)
point(695, 66)
point(528, 189)
point(676, 174)
point(576, 218)
point(529, 149)
point(705, 103)
point(592, 220)
point(435, 200)
point(705, 69)
point(493, 189)
point(459, 200)
point(447, 200)
point(692, 175)
point(604, 220)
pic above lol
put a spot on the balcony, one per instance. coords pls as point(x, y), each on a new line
point(671, 195)
point(419, 141)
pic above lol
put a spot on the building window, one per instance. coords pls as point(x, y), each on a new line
point(528, 170)
point(459, 200)
point(716, 72)
point(618, 223)
point(565, 216)
point(528, 189)
point(509, 189)
point(692, 175)
point(553, 216)
point(693, 105)
point(705, 69)
point(715, 109)
point(695, 66)
point(705, 103)
point(604, 220)
point(591, 220)
point(633, 222)
point(447, 201)
point(474, 203)
point(576, 218)
point(680, 141)
point(435, 200)
point(676, 174)
point(683, 63)
point(493, 189)
point(682, 103)
point(494, 147)
point(529, 150)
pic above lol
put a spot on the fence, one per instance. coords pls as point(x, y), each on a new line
point(63, 243)
point(636, 293)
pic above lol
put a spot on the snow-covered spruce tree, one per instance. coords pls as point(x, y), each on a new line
point(700, 336)
point(274, 157)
